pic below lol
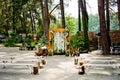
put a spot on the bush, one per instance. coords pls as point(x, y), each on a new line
point(12, 40)
point(66, 54)
point(77, 41)
point(9, 41)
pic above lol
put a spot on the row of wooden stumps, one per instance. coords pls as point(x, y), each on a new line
point(81, 68)
point(39, 66)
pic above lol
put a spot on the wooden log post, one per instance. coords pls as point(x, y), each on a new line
point(81, 69)
point(40, 65)
point(35, 70)
point(75, 60)
point(43, 60)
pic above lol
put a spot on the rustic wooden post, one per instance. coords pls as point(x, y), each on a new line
point(76, 60)
point(35, 70)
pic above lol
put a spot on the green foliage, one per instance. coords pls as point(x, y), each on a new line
point(77, 41)
point(14, 9)
point(17, 39)
point(67, 54)
point(29, 41)
point(42, 41)
point(114, 22)
point(94, 23)
point(12, 40)
point(9, 41)
point(50, 54)
point(13, 12)
point(31, 44)
point(55, 25)
point(70, 24)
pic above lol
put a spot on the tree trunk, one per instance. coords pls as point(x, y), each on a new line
point(54, 9)
point(24, 22)
point(103, 30)
point(108, 21)
point(47, 20)
point(79, 18)
point(31, 19)
point(62, 13)
point(119, 12)
point(45, 17)
point(7, 22)
point(42, 10)
point(33, 8)
point(107, 15)
point(85, 22)
point(13, 15)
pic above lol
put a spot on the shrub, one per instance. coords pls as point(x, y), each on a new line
point(9, 41)
point(77, 41)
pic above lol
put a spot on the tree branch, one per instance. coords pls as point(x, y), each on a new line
point(54, 8)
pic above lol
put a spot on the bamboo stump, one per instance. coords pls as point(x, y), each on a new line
point(43, 61)
point(76, 60)
point(35, 70)
point(40, 65)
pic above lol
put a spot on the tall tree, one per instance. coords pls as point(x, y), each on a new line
point(42, 11)
point(108, 21)
point(107, 15)
point(24, 22)
point(85, 22)
point(7, 14)
point(17, 11)
point(32, 10)
point(45, 17)
point(31, 19)
point(13, 1)
point(118, 1)
point(79, 18)
point(62, 13)
point(103, 30)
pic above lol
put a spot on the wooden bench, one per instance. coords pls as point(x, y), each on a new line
point(28, 60)
point(25, 62)
point(16, 58)
point(101, 58)
point(105, 61)
point(96, 58)
point(30, 66)
point(102, 65)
